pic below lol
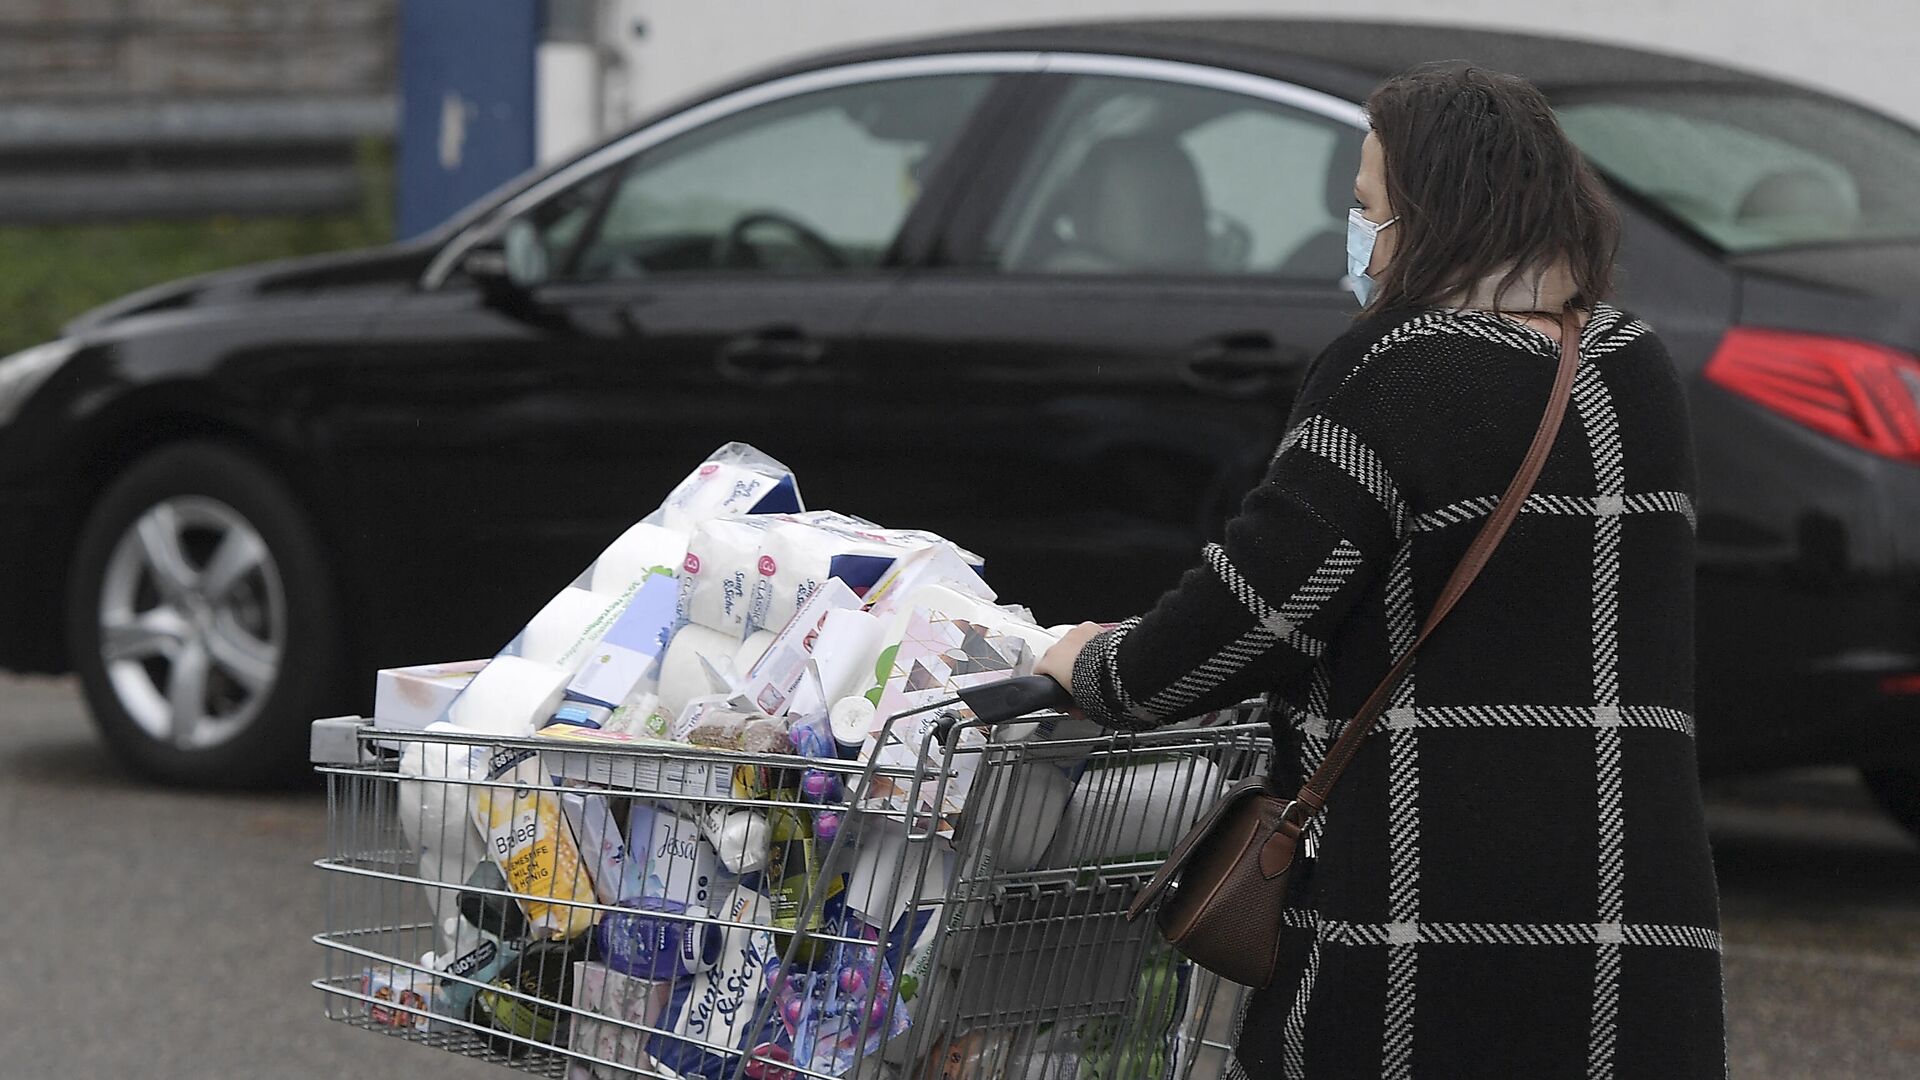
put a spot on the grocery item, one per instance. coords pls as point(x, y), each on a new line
point(568, 626)
point(528, 838)
point(698, 663)
point(641, 943)
point(402, 996)
point(1135, 810)
point(773, 679)
point(623, 660)
point(677, 863)
point(735, 479)
point(410, 698)
point(717, 577)
point(610, 994)
point(511, 696)
point(523, 1000)
point(642, 551)
point(711, 1016)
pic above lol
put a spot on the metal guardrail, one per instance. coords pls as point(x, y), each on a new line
point(81, 161)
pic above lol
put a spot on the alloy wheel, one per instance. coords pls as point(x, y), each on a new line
point(193, 622)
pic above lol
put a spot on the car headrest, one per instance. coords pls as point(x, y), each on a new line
point(1137, 200)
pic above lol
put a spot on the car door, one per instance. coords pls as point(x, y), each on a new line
point(590, 345)
point(1098, 365)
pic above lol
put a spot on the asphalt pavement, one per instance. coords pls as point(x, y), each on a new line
point(154, 933)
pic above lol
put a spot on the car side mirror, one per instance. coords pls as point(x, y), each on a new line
point(509, 267)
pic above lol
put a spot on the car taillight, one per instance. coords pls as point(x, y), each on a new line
point(1858, 392)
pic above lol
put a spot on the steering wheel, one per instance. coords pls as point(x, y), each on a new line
point(735, 244)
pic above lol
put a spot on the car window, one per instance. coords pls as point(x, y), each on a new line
point(1757, 170)
point(820, 182)
point(1133, 176)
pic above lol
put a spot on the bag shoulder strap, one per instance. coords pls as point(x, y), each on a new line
point(1313, 794)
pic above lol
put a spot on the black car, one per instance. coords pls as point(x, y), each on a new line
point(1045, 291)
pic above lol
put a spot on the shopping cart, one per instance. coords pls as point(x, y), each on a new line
point(951, 909)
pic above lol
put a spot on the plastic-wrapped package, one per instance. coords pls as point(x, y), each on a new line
point(740, 729)
point(528, 838)
point(735, 479)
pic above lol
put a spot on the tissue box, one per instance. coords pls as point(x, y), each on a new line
point(410, 698)
point(622, 997)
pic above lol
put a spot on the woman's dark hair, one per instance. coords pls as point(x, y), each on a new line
point(1484, 182)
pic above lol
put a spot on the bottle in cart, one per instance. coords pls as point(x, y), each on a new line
point(527, 997)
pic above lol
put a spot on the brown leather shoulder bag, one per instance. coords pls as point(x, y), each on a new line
point(1222, 891)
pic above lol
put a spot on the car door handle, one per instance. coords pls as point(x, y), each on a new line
point(775, 354)
point(1242, 365)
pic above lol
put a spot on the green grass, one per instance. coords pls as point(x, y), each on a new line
point(49, 274)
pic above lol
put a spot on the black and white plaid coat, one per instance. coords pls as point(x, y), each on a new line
point(1512, 879)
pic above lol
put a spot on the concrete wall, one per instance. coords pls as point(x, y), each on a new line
point(1862, 49)
point(142, 49)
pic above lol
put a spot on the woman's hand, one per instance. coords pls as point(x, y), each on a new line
point(1058, 661)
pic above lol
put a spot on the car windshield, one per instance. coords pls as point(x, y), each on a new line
point(1756, 170)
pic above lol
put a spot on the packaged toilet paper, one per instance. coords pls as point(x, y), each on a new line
point(803, 551)
point(945, 645)
point(712, 1016)
point(641, 552)
point(698, 663)
point(719, 575)
point(568, 626)
point(622, 662)
point(511, 696)
point(735, 479)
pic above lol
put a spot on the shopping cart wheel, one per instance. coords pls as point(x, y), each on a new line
point(201, 619)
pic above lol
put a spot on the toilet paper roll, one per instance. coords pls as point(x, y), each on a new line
point(568, 627)
point(510, 696)
point(1021, 813)
point(683, 675)
point(718, 575)
point(639, 551)
point(850, 641)
point(1136, 810)
point(752, 649)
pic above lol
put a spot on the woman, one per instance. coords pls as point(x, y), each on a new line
point(1512, 879)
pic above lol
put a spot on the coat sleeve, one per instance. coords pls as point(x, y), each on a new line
point(1258, 610)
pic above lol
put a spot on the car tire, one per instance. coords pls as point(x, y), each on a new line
point(201, 619)
point(1898, 793)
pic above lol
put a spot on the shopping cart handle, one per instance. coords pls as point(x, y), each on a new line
point(999, 702)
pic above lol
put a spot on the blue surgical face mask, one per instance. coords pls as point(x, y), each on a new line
point(1361, 235)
